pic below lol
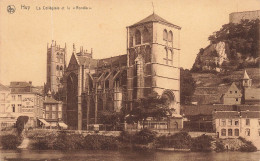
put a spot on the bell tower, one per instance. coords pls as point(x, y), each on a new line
point(56, 65)
point(153, 50)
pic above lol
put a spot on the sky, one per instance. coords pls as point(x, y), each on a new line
point(25, 33)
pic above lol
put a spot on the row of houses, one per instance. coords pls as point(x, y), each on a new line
point(23, 99)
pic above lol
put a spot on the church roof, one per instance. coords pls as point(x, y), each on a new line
point(155, 18)
point(246, 75)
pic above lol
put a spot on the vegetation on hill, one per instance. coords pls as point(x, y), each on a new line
point(241, 48)
point(187, 86)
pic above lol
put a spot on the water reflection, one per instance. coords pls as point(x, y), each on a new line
point(52, 155)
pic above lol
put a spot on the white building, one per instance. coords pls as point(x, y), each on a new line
point(232, 124)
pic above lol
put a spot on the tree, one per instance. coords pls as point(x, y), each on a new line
point(110, 117)
point(150, 106)
point(187, 86)
point(20, 122)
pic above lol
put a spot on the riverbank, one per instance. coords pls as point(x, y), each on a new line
point(143, 140)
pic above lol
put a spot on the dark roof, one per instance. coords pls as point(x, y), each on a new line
point(252, 94)
point(226, 114)
point(209, 109)
point(20, 84)
point(3, 88)
point(154, 18)
point(50, 100)
point(250, 114)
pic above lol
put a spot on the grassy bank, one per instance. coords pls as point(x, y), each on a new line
point(142, 140)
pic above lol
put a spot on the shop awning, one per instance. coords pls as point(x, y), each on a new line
point(44, 122)
point(62, 124)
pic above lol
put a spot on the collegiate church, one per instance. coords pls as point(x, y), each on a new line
point(92, 85)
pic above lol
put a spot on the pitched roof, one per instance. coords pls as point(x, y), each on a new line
point(232, 88)
point(246, 75)
point(19, 84)
point(3, 88)
point(226, 114)
point(250, 114)
point(155, 18)
point(50, 100)
point(252, 94)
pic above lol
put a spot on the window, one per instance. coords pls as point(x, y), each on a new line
point(230, 92)
point(248, 122)
point(170, 37)
point(223, 122)
point(54, 108)
point(19, 107)
point(54, 115)
point(19, 97)
point(137, 37)
point(236, 99)
point(60, 107)
point(236, 122)
point(2, 97)
point(146, 35)
point(229, 122)
point(236, 132)
point(230, 132)
point(59, 115)
point(47, 107)
point(13, 97)
point(165, 35)
point(223, 132)
point(13, 107)
point(247, 132)
point(235, 91)
point(168, 57)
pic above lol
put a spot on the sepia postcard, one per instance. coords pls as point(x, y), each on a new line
point(127, 80)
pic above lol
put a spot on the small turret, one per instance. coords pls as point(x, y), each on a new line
point(246, 81)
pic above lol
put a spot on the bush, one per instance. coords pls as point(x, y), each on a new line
point(220, 146)
point(202, 143)
point(40, 143)
point(248, 146)
point(68, 142)
point(100, 142)
point(181, 140)
point(125, 137)
point(10, 141)
point(144, 136)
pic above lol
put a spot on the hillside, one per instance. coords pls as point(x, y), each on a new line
point(210, 87)
point(233, 47)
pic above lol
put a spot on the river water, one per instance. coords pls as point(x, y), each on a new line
point(51, 155)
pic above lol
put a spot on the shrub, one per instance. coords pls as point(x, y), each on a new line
point(40, 143)
point(68, 142)
point(125, 137)
point(220, 146)
point(202, 143)
point(10, 141)
point(144, 136)
point(248, 146)
point(181, 140)
point(100, 142)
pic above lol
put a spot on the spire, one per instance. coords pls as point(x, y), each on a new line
point(74, 50)
point(246, 75)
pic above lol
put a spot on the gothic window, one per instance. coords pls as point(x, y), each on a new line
point(145, 36)
point(170, 36)
point(168, 57)
point(61, 69)
point(131, 41)
point(137, 37)
point(165, 35)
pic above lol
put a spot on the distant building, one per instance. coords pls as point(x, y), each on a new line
point(236, 17)
point(53, 112)
point(27, 100)
point(232, 96)
point(6, 118)
point(232, 124)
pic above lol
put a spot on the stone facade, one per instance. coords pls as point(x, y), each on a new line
point(150, 65)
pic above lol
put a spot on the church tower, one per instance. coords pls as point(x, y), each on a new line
point(56, 65)
point(153, 49)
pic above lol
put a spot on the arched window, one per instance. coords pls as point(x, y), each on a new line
point(61, 69)
point(58, 53)
point(170, 61)
point(170, 36)
point(230, 132)
point(223, 132)
point(137, 37)
point(57, 67)
point(165, 35)
point(145, 36)
point(247, 132)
